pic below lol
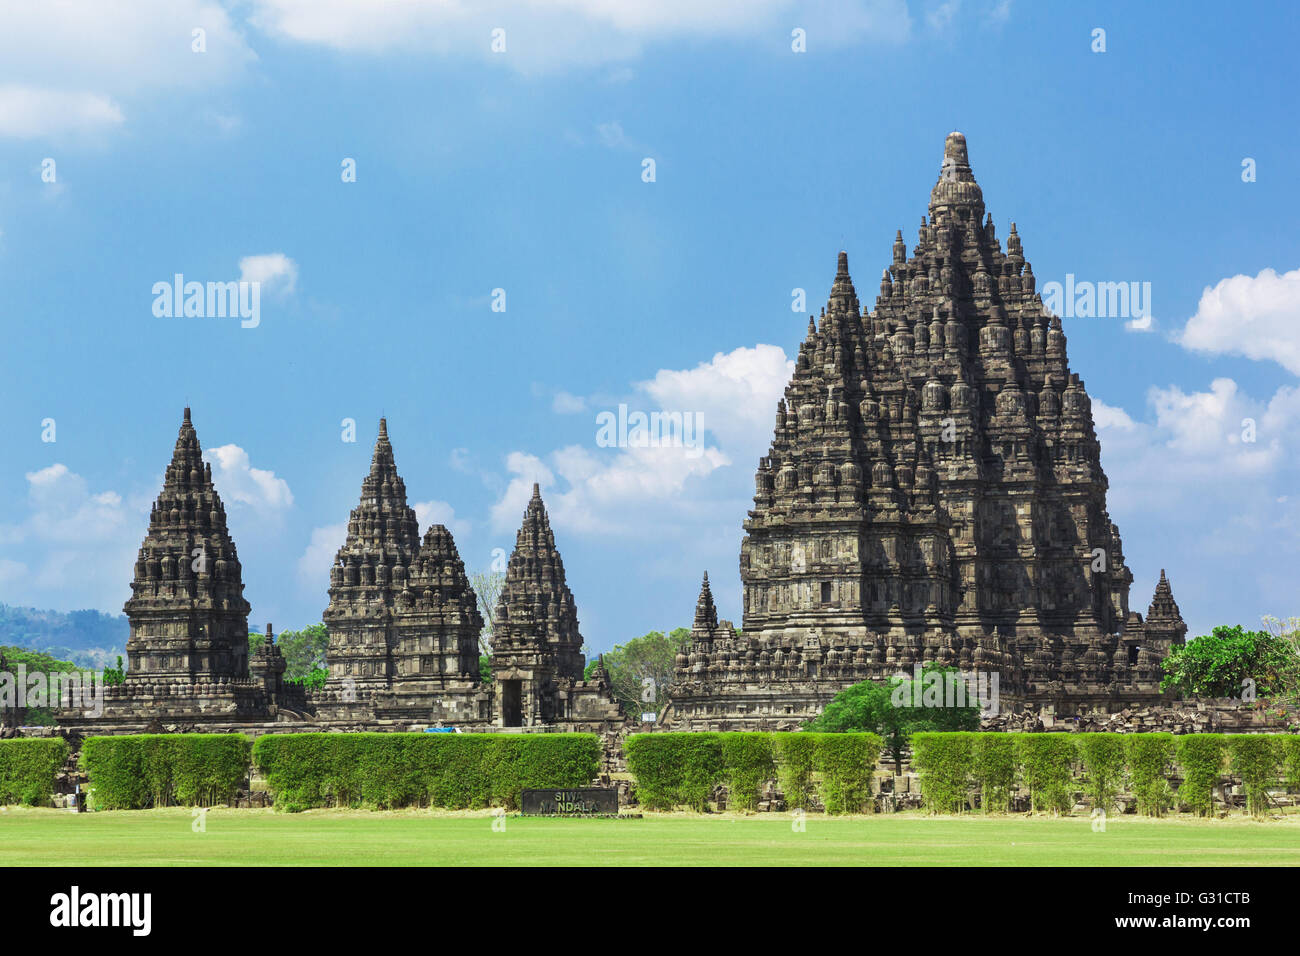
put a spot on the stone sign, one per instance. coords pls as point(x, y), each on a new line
point(573, 802)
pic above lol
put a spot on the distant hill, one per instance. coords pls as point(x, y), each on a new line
point(86, 638)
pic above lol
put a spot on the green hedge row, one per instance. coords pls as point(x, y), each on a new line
point(139, 771)
point(681, 769)
point(456, 771)
point(1055, 766)
point(28, 767)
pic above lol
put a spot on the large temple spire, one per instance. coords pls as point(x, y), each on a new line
point(187, 609)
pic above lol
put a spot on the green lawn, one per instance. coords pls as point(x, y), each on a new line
point(322, 837)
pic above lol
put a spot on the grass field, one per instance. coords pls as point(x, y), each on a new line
point(411, 838)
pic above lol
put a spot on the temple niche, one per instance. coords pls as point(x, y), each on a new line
point(933, 492)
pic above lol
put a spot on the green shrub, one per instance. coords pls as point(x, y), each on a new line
point(993, 765)
point(1291, 760)
point(138, 771)
point(1257, 759)
point(1149, 763)
point(673, 769)
point(747, 762)
point(1103, 757)
point(28, 767)
point(846, 763)
point(993, 769)
point(1047, 761)
point(386, 771)
point(1201, 758)
point(945, 762)
point(795, 760)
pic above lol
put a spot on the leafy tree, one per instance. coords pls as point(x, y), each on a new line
point(314, 680)
point(36, 662)
point(487, 587)
point(899, 708)
point(304, 650)
point(115, 675)
point(643, 668)
point(1220, 663)
point(485, 668)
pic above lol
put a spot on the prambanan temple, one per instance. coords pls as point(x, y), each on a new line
point(933, 493)
point(403, 622)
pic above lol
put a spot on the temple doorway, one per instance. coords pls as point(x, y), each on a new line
point(512, 711)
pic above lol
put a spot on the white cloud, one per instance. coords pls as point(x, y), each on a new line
point(1258, 317)
point(566, 404)
point(659, 492)
point(1213, 453)
point(237, 480)
point(941, 17)
point(72, 62)
point(735, 391)
point(526, 470)
point(315, 562)
point(1107, 416)
point(29, 112)
point(78, 546)
point(275, 271)
point(612, 136)
point(440, 512)
point(563, 33)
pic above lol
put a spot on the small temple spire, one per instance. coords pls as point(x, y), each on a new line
point(956, 192)
point(706, 612)
point(844, 297)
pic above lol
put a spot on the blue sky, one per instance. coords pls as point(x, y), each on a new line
point(522, 170)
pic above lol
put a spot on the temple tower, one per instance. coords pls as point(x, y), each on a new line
point(536, 645)
point(188, 616)
point(933, 492)
point(368, 574)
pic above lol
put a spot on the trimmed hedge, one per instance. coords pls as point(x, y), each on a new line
point(681, 769)
point(139, 771)
point(1291, 760)
point(28, 767)
point(993, 769)
point(1103, 768)
point(675, 769)
point(747, 760)
point(1047, 762)
point(946, 764)
point(1257, 759)
point(385, 771)
point(1150, 758)
point(846, 763)
point(1201, 758)
point(796, 757)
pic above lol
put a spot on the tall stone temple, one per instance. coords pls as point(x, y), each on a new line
point(403, 619)
point(404, 624)
point(537, 660)
point(933, 492)
point(187, 654)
